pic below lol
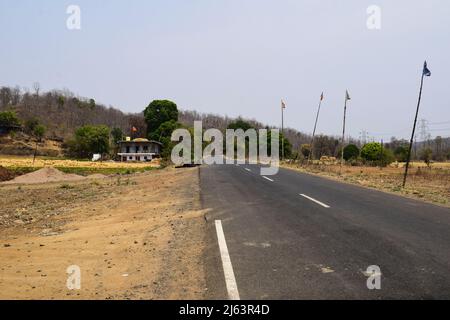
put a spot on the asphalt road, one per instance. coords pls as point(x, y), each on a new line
point(283, 245)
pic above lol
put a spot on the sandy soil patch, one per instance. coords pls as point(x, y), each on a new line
point(133, 237)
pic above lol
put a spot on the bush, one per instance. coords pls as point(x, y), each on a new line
point(305, 149)
point(426, 155)
point(374, 153)
point(9, 119)
point(39, 131)
point(401, 153)
point(30, 124)
point(351, 152)
point(89, 140)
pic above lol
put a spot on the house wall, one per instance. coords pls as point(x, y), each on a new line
point(140, 147)
point(134, 158)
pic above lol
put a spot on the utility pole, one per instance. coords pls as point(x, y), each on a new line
point(347, 97)
point(314, 131)
point(381, 155)
point(283, 106)
point(35, 151)
point(427, 73)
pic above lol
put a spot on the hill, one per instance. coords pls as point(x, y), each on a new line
point(62, 112)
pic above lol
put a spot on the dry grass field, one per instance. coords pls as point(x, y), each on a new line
point(24, 164)
point(27, 161)
point(431, 184)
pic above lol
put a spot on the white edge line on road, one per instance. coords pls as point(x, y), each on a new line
point(230, 280)
point(248, 169)
point(267, 178)
point(314, 200)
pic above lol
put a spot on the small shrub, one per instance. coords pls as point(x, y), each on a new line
point(9, 118)
point(351, 151)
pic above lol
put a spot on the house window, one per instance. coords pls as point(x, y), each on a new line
point(128, 149)
point(145, 148)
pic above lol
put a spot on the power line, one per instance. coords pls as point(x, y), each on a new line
point(438, 123)
point(440, 129)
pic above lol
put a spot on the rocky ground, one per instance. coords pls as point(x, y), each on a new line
point(137, 236)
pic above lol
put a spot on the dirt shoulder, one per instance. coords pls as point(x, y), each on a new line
point(136, 237)
point(430, 185)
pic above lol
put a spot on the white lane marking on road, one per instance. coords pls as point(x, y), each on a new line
point(248, 169)
point(314, 200)
point(267, 178)
point(230, 280)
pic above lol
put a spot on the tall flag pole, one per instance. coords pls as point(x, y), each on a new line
point(283, 106)
point(425, 73)
point(347, 97)
point(314, 131)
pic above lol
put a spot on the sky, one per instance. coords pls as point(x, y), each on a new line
point(240, 57)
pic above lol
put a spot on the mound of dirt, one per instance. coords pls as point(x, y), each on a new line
point(5, 174)
point(48, 174)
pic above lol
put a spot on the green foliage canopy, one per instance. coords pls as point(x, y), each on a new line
point(89, 140)
point(375, 153)
point(9, 118)
point(351, 151)
point(158, 112)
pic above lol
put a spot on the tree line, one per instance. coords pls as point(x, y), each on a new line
point(62, 115)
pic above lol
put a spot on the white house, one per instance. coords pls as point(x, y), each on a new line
point(139, 149)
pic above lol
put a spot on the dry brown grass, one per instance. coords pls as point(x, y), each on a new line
point(428, 184)
point(27, 161)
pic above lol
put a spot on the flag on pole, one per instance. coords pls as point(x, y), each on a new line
point(321, 97)
point(347, 96)
point(426, 71)
point(283, 104)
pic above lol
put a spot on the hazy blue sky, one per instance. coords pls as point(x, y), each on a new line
point(240, 57)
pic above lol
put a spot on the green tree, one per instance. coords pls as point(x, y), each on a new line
point(239, 124)
point(371, 151)
point(89, 140)
point(117, 135)
point(305, 149)
point(165, 130)
point(401, 153)
point(30, 125)
point(39, 131)
point(375, 153)
point(351, 152)
point(287, 145)
point(163, 134)
point(91, 104)
point(236, 125)
point(60, 101)
point(426, 156)
point(158, 112)
point(9, 118)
